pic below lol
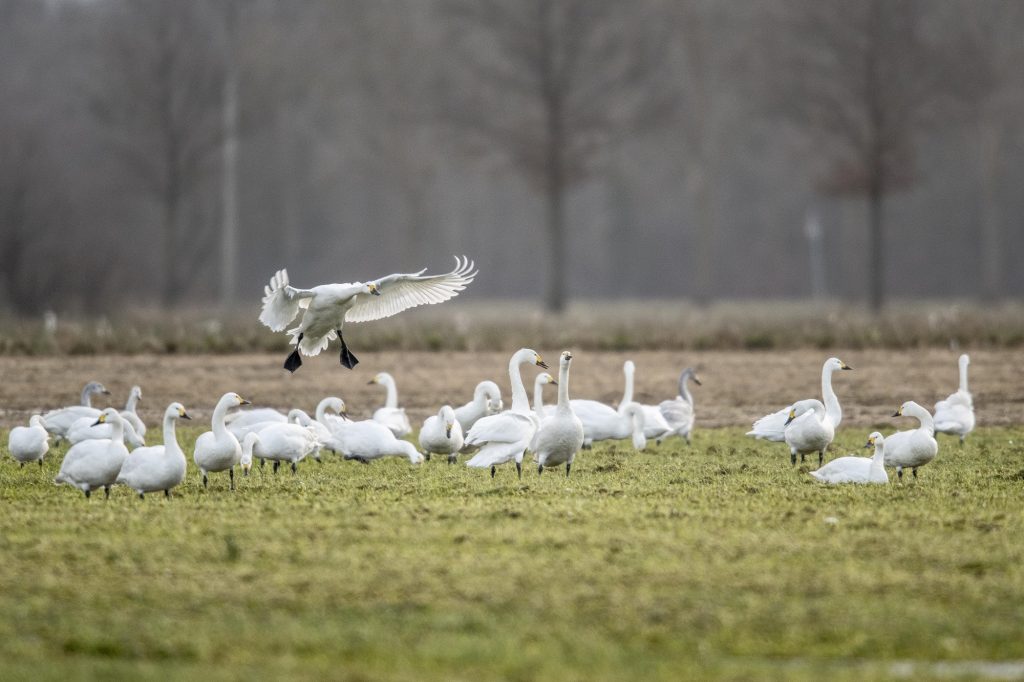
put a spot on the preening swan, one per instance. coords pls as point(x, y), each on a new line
point(29, 443)
point(130, 413)
point(912, 448)
point(857, 469)
point(655, 425)
point(773, 426)
point(59, 421)
point(679, 413)
point(542, 380)
point(505, 437)
point(486, 401)
point(328, 306)
point(283, 443)
point(367, 440)
point(442, 434)
point(808, 429)
point(560, 435)
point(159, 467)
point(94, 464)
point(219, 450)
point(391, 415)
point(955, 414)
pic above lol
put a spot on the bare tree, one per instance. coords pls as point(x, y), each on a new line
point(547, 84)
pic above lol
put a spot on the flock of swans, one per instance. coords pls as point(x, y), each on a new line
point(107, 447)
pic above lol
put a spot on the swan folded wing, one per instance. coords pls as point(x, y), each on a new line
point(281, 302)
point(507, 427)
point(676, 412)
point(771, 427)
point(403, 291)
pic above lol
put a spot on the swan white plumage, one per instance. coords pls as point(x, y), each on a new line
point(655, 425)
point(59, 421)
point(158, 467)
point(679, 413)
point(219, 450)
point(94, 464)
point(87, 429)
point(913, 448)
point(367, 440)
point(328, 306)
point(542, 380)
point(283, 443)
point(955, 414)
point(505, 437)
point(442, 434)
point(242, 422)
point(601, 422)
point(486, 401)
point(391, 415)
point(29, 443)
point(857, 469)
point(773, 426)
point(130, 412)
point(560, 435)
point(808, 429)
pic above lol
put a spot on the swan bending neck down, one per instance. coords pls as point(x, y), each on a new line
point(486, 401)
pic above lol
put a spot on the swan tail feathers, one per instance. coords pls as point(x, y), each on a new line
point(280, 302)
point(311, 345)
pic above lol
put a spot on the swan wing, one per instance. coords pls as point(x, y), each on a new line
point(281, 301)
point(403, 291)
point(771, 427)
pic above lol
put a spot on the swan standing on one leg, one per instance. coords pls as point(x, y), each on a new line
point(328, 306)
point(219, 450)
point(808, 429)
point(94, 464)
point(857, 469)
point(391, 415)
point(130, 413)
point(159, 467)
point(59, 421)
point(560, 435)
point(955, 414)
point(913, 448)
point(679, 413)
point(505, 437)
point(486, 401)
point(442, 433)
point(29, 443)
point(655, 425)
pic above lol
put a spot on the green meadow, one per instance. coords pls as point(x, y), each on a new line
point(714, 561)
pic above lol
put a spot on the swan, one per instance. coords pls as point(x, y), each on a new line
point(218, 449)
point(679, 413)
point(486, 401)
point(242, 422)
point(542, 380)
point(601, 422)
point(808, 429)
point(93, 463)
point(59, 421)
point(955, 414)
point(912, 448)
point(129, 413)
point(655, 425)
point(442, 433)
point(560, 436)
point(367, 440)
point(328, 306)
point(773, 426)
point(391, 415)
point(504, 437)
point(85, 428)
point(283, 443)
point(29, 443)
point(158, 467)
point(857, 469)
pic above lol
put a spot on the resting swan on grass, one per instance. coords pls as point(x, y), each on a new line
point(327, 307)
point(955, 414)
point(391, 415)
point(857, 469)
point(59, 421)
point(159, 467)
point(367, 440)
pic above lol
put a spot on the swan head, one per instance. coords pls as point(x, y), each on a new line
point(236, 399)
point(565, 359)
point(379, 378)
point(37, 420)
point(875, 440)
point(495, 405)
point(107, 416)
point(910, 409)
point(964, 360)
point(802, 406)
point(693, 376)
point(545, 378)
point(524, 355)
point(95, 387)
point(177, 411)
point(136, 393)
point(628, 367)
point(447, 417)
point(836, 364)
point(247, 446)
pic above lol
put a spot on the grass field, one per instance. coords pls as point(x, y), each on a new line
point(714, 561)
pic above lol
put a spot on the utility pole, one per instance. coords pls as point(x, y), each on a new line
point(229, 162)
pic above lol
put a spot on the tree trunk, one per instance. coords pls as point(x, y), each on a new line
point(876, 248)
point(229, 178)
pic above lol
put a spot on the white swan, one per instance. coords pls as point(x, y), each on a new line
point(505, 437)
point(130, 413)
point(365, 441)
point(242, 422)
point(955, 414)
point(442, 434)
point(87, 429)
point(94, 464)
point(773, 426)
point(158, 467)
point(391, 415)
point(560, 436)
point(59, 421)
point(219, 450)
point(486, 401)
point(542, 380)
point(912, 448)
point(808, 429)
point(601, 422)
point(29, 443)
point(328, 306)
point(679, 413)
point(655, 425)
point(857, 469)
point(283, 443)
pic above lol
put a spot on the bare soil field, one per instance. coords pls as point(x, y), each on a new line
point(739, 386)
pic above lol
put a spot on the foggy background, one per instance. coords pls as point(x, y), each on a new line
point(177, 153)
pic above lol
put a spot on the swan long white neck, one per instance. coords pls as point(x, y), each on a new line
point(116, 428)
point(684, 389)
point(322, 407)
point(170, 436)
point(922, 415)
point(219, 429)
point(133, 400)
point(486, 390)
point(389, 383)
point(832, 409)
point(628, 368)
point(520, 400)
point(538, 394)
point(964, 361)
point(87, 395)
point(563, 388)
point(879, 457)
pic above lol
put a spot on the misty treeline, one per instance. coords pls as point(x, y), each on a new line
point(177, 153)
